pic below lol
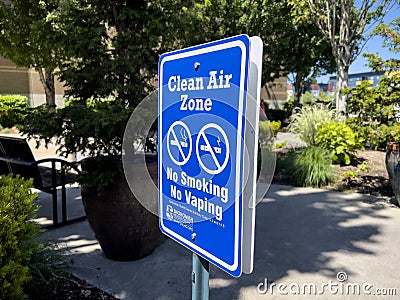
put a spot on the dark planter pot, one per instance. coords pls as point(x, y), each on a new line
point(124, 228)
point(393, 167)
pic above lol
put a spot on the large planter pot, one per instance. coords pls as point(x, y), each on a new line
point(124, 228)
point(393, 167)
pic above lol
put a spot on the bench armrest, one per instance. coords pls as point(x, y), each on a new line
point(72, 165)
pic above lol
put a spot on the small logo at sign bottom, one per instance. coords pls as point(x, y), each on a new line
point(179, 217)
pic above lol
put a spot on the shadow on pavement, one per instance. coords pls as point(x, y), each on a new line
point(301, 235)
point(297, 233)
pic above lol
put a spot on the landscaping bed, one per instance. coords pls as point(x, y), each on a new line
point(373, 180)
point(74, 288)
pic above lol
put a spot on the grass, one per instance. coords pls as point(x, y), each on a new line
point(310, 166)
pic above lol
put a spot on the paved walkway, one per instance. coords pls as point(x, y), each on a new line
point(304, 239)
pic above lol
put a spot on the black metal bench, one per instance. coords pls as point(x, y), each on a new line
point(16, 157)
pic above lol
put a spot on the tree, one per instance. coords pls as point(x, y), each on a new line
point(310, 55)
point(343, 23)
point(290, 45)
point(391, 35)
point(115, 46)
point(29, 39)
point(375, 109)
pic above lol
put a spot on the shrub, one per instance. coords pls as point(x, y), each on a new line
point(17, 235)
point(266, 134)
point(340, 140)
point(27, 265)
point(376, 136)
point(46, 266)
point(352, 174)
point(367, 132)
point(310, 166)
point(371, 108)
point(13, 110)
point(277, 114)
point(275, 126)
point(374, 104)
point(306, 120)
point(385, 134)
point(280, 145)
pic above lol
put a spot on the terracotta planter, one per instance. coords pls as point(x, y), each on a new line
point(393, 167)
point(124, 228)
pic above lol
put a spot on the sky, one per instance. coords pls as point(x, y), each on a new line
point(374, 45)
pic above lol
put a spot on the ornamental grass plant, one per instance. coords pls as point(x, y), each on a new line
point(306, 120)
point(310, 166)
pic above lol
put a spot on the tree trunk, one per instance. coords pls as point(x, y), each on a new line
point(298, 91)
point(46, 76)
point(342, 82)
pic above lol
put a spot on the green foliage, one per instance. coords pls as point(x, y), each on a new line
point(308, 99)
point(387, 134)
point(377, 137)
point(124, 38)
point(92, 127)
point(391, 35)
point(310, 166)
point(288, 105)
point(96, 129)
point(325, 98)
point(28, 266)
point(306, 120)
point(352, 174)
point(373, 110)
point(30, 39)
point(17, 235)
point(340, 140)
point(13, 109)
point(368, 104)
point(285, 39)
point(275, 126)
point(280, 145)
point(277, 114)
point(47, 265)
point(100, 171)
point(266, 134)
point(352, 22)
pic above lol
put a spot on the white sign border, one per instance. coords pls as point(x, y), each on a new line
point(238, 229)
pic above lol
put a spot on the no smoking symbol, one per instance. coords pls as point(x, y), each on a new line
point(212, 148)
point(179, 143)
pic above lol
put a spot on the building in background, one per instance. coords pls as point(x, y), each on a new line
point(314, 89)
point(275, 94)
point(356, 79)
point(330, 87)
point(25, 82)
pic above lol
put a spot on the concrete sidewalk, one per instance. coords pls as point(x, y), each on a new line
point(304, 239)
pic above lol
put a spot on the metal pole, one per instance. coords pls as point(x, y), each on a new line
point(200, 277)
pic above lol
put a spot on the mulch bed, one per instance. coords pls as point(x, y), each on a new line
point(372, 181)
point(73, 288)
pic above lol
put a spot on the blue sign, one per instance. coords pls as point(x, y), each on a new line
point(202, 103)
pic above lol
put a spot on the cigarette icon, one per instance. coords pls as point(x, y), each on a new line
point(175, 143)
point(206, 148)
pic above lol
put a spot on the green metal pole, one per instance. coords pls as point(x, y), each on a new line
point(200, 277)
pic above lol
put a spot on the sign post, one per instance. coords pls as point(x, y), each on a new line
point(204, 92)
point(200, 277)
